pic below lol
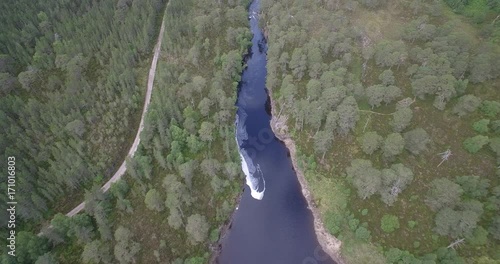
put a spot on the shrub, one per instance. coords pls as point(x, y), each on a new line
point(362, 234)
point(493, 202)
point(364, 211)
point(214, 235)
point(481, 126)
point(96, 251)
point(353, 224)
point(474, 144)
point(195, 260)
point(479, 237)
point(495, 228)
point(448, 255)
point(396, 255)
point(473, 186)
point(154, 201)
point(490, 108)
point(495, 126)
point(412, 224)
point(389, 223)
point(495, 145)
point(333, 222)
point(466, 104)
point(125, 248)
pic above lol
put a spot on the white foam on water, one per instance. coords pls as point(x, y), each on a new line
point(252, 181)
point(247, 165)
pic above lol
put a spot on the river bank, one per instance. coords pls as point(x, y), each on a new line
point(330, 244)
point(224, 229)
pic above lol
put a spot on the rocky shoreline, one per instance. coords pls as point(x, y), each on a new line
point(330, 244)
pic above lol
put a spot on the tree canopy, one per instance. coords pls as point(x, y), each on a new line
point(443, 193)
point(370, 142)
point(393, 145)
point(416, 140)
point(197, 227)
point(364, 177)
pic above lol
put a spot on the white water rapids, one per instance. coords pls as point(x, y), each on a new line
point(254, 176)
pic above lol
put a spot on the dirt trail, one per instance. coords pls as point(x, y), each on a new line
point(121, 170)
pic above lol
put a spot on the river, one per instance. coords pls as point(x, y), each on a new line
point(272, 224)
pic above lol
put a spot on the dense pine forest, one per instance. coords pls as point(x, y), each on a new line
point(394, 108)
point(72, 81)
point(70, 108)
point(71, 92)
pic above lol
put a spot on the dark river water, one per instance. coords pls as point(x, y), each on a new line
point(272, 224)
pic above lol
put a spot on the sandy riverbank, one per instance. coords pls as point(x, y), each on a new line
point(330, 244)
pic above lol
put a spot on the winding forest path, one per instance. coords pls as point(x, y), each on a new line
point(151, 77)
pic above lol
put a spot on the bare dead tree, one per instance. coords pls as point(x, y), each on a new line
point(456, 243)
point(182, 213)
point(396, 189)
point(444, 156)
point(366, 124)
point(495, 20)
point(405, 102)
point(367, 53)
point(281, 109)
point(371, 112)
